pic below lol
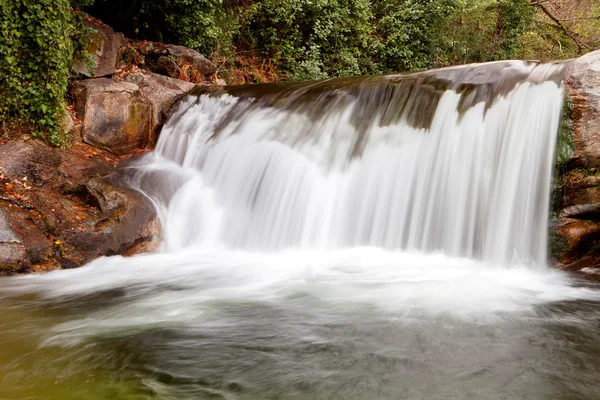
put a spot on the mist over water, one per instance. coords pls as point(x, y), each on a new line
point(474, 184)
point(309, 253)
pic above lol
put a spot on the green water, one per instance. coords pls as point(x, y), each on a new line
point(177, 333)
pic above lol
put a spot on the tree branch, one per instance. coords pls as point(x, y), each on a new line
point(541, 6)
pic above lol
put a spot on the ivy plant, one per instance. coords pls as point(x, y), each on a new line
point(36, 53)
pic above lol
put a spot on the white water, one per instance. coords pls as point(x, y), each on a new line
point(448, 220)
point(474, 186)
point(304, 257)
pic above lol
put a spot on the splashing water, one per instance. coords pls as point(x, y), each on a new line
point(474, 183)
point(351, 238)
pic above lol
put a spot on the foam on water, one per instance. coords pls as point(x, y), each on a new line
point(475, 184)
point(361, 238)
point(191, 287)
point(279, 207)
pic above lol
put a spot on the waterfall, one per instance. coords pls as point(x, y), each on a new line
point(456, 160)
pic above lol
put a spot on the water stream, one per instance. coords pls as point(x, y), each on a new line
point(364, 238)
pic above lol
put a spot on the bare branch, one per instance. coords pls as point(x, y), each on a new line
point(558, 22)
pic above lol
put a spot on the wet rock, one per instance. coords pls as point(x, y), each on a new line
point(161, 91)
point(116, 116)
point(580, 234)
point(68, 210)
point(134, 222)
point(12, 250)
point(103, 49)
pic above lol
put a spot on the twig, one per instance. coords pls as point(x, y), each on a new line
point(580, 45)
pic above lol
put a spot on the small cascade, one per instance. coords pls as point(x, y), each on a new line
point(456, 160)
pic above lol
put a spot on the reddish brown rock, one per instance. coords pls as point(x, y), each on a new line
point(116, 116)
point(58, 208)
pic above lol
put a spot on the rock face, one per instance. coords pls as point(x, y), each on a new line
point(59, 209)
point(103, 46)
point(575, 239)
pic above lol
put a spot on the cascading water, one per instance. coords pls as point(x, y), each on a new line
point(361, 238)
point(456, 160)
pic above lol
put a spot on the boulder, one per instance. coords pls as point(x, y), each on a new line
point(103, 46)
point(62, 208)
point(115, 116)
point(131, 221)
point(67, 124)
point(161, 91)
point(28, 244)
point(177, 62)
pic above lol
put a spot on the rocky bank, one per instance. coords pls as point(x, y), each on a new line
point(575, 235)
point(61, 208)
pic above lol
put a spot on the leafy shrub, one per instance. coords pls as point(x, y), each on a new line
point(484, 30)
point(36, 53)
point(409, 32)
point(204, 25)
point(312, 38)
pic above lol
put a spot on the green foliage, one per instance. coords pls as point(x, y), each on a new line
point(514, 17)
point(321, 38)
point(36, 53)
point(565, 144)
point(409, 33)
point(312, 38)
point(198, 24)
point(207, 26)
point(485, 30)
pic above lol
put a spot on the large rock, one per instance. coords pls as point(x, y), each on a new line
point(116, 116)
point(103, 47)
point(58, 208)
point(133, 221)
point(575, 237)
point(177, 62)
point(161, 91)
